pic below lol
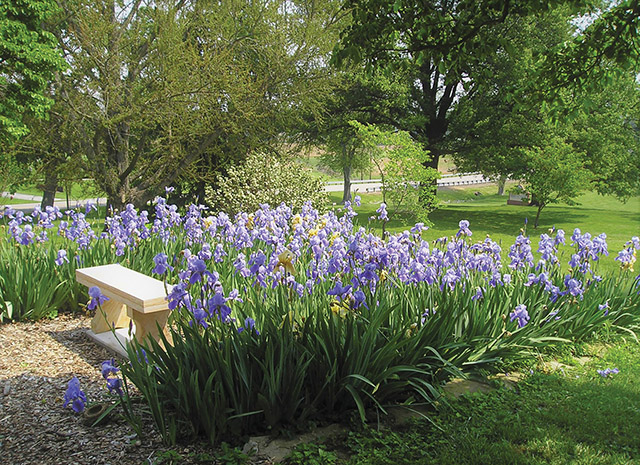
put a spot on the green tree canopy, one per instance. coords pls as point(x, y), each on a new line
point(401, 162)
point(167, 92)
point(28, 61)
point(357, 96)
point(439, 43)
point(490, 130)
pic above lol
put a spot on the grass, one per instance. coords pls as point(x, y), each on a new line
point(489, 214)
point(79, 191)
point(10, 201)
point(572, 416)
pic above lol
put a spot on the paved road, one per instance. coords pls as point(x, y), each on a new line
point(36, 199)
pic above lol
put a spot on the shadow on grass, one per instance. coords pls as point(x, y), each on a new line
point(494, 220)
point(550, 419)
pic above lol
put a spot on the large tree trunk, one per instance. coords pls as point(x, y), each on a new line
point(346, 176)
point(49, 190)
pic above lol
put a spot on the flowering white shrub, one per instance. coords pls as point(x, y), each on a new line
point(264, 178)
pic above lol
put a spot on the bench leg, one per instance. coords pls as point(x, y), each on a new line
point(146, 324)
point(112, 313)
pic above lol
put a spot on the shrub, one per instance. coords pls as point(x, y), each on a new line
point(265, 179)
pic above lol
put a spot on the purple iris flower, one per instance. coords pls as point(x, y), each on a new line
point(62, 257)
point(418, 228)
point(108, 367)
point(359, 299)
point(162, 264)
point(115, 385)
point(218, 304)
point(520, 314)
point(574, 287)
point(478, 295)
point(608, 371)
point(177, 295)
point(257, 261)
point(96, 297)
point(90, 206)
point(369, 273)
point(200, 317)
point(382, 212)
point(605, 307)
point(338, 290)
point(198, 268)
point(464, 229)
point(450, 279)
point(27, 236)
point(249, 324)
point(75, 396)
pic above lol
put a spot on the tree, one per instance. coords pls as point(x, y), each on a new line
point(606, 130)
point(488, 127)
point(439, 42)
point(603, 51)
point(370, 99)
point(162, 92)
point(436, 42)
point(28, 61)
point(51, 153)
point(402, 165)
point(492, 132)
point(555, 173)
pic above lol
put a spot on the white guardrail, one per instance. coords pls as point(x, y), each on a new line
point(446, 180)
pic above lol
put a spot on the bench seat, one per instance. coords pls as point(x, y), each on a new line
point(132, 296)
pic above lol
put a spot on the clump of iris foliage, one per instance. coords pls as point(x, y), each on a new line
point(283, 317)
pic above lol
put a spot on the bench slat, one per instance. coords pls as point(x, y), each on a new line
point(138, 291)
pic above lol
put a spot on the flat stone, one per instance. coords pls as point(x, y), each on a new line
point(509, 380)
point(458, 387)
point(277, 449)
point(553, 365)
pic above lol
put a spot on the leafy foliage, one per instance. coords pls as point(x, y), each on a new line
point(171, 94)
point(597, 56)
point(358, 96)
point(279, 318)
point(264, 179)
point(402, 164)
point(495, 132)
point(555, 173)
point(28, 61)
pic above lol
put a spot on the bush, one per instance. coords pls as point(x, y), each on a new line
point(265, 179)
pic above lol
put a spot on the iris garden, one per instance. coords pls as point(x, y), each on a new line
point(282, 317)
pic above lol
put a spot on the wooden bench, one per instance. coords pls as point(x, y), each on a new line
point(132, 296)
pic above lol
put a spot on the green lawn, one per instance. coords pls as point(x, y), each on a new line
point(10, 201)
point(568, 416)
point(489, 213)
point(79, 191)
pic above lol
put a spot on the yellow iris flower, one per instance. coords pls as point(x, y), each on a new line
point(285, 260)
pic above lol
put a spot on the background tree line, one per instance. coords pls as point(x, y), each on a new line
point(145, 94)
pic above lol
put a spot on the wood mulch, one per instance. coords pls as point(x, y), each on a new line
point(37, 360)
